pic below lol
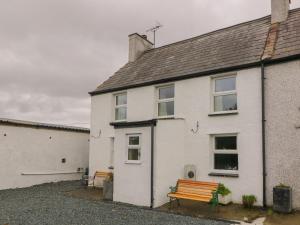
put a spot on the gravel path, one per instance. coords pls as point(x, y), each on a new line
point(47, 204)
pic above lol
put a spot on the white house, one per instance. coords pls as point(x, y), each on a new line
point(203, 103)
point(34, 153)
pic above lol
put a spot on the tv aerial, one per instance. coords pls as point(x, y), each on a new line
point(153, 30)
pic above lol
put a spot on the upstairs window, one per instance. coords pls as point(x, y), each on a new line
point(224, 94)
point(166, 101)
point(225, 154)
point(121, 107)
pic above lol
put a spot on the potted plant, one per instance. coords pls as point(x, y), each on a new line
point(224, 195)
point(248, 201)
point(282, 198)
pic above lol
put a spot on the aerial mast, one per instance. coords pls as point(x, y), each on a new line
point(153, 30)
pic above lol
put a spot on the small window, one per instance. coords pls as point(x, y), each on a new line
point(166, 101)
point(121, 107)
point(224, 94)
point(134, 148)
point(225, 154)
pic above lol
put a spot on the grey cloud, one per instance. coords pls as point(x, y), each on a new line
point(52, 52)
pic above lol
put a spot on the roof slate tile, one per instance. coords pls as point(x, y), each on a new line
point(241, 44)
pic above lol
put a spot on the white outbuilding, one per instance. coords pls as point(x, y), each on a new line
point(33, 153)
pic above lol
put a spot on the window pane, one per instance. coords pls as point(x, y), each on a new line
point(121, 99)
point(166, 92)
point(225, 143)
point(166, 108)
point(225, 103)
point(133, 154)
point(226, 161)
point(120, 113)
point(225, 84)
point(134, 140)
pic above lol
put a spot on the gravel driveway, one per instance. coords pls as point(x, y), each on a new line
point(47, 204)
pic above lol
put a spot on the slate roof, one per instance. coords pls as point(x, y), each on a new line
point(22, 123)
point(239, 45)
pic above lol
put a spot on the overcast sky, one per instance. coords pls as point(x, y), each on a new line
point(52, 52)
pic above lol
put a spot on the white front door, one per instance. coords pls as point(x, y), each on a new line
point(132, 166)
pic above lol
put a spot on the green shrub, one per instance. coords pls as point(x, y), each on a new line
point(270, 212)
point(222, 190)
point(172, 189)
point(248, 201)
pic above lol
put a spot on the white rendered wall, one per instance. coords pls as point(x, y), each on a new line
point(30, 150)
point(282, 136)
point(132, 180)
point(193, 104)
point(169, 157)
point(176, 145)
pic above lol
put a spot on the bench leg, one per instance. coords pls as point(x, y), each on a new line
point(178, 203)
point(173, 200)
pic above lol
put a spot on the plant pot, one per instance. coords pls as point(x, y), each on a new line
point(225, 200)
point(108, 190)
point(282, 199)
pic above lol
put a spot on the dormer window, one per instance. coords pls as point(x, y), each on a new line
point(121, 107)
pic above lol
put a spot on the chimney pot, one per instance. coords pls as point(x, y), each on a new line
point(137, 45)
point(280, 10)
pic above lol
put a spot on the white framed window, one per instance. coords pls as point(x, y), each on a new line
point(224, 94)
point(165, 102)
point(120, 107)
point(225, 153)
point(133, 148)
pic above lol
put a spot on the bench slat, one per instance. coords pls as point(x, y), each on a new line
point(102, 174)
point(190, 197)
point(195, 188)
point(194, 192)
point(197, 183)
point(204, 194)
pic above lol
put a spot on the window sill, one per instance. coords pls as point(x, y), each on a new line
point(170, 118)
point(233, 175)
point(165, 118)
point(136, 162)
point(119, 121)
point(223, 113)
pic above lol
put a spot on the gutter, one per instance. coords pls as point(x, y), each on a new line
point(263, 127)
point(152, 167)
point(29, 124)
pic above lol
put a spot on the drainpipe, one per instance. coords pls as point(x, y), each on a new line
point(263, 123)
point(152, 164)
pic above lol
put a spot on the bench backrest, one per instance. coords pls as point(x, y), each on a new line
point(196, 187)
point(102, 174)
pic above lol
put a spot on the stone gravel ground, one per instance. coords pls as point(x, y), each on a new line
point(49, 204)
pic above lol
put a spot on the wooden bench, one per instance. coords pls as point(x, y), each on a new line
point(195, 190)
point(101, 174)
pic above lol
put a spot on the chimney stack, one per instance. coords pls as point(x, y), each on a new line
point(137, 45)
point(280, 10)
